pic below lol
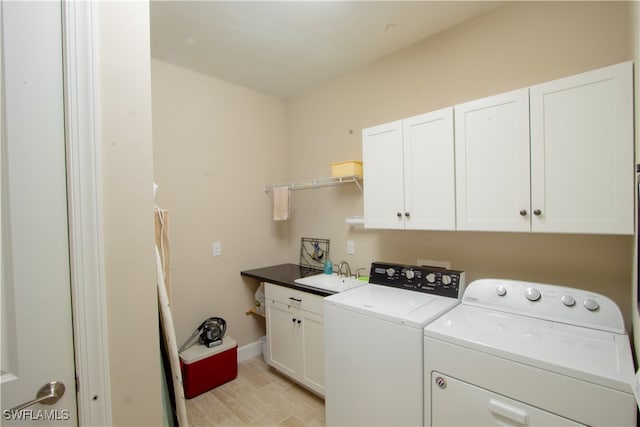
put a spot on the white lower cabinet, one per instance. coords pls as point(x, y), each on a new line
point(295, 335)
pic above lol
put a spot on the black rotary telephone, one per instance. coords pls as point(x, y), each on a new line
point(210, 331)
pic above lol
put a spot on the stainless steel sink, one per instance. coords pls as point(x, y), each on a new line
point(330, 282)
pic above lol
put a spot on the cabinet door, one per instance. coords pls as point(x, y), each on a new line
point(429, 181)
point(383, 175)
point(492, 163)
point(312, 337)
point(582, 152)
point(282, 337)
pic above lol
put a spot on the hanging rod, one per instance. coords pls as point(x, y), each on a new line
point(316, 182)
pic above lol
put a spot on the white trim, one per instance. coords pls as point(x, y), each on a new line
point(85, 238)
point(249, 351)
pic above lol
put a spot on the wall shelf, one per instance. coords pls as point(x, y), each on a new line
point(355, 220)
point(317, 182)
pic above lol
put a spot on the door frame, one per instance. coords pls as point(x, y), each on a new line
point(84, 209)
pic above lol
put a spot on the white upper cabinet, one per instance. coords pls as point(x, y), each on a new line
point(582, 152)
point(429, 171)
point(409, 173)
point(556, 157)
point(382, 166)
point(492, 163)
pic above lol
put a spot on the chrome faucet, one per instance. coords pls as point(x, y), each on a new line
point(348, 272)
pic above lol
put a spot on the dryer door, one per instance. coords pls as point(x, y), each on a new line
point(456, 403)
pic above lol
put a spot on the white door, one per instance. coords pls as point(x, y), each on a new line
point(582, 152)
point(283, 338)
point(492, 163)
point(37, 341)
point(429, 181)
point(383, 176)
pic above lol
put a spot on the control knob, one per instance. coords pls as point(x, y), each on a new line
point(431, 277)
point(501, 291)
point(446, 279)
point(591, 304)
point(532, 294)
point(410, 274)
point(568, 300)
point(390, 272)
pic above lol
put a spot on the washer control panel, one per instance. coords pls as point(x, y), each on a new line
point(431, 280)
point(551, 302)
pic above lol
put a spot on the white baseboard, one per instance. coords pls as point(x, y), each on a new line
point(249, 351)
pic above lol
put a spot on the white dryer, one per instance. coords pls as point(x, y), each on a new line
point(519, 353)
point(373, 344)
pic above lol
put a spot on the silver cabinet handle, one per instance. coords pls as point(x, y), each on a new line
point(48, 394)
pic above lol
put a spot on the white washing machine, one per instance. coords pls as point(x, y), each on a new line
point(518, 353)
point(373, 344)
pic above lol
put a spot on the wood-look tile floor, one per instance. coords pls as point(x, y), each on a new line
point(259, 396)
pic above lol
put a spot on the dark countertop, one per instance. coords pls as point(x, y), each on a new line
point(284, 275)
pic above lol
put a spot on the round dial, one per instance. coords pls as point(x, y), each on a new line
point(431, 277)
point(501, 290)
point(410, 274)
point(446, 279)
point(390, 272)
point(568, 300)
point(591, 304)
point(532, 294)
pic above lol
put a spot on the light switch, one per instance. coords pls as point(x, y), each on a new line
point(351, 247)
point(217, 248)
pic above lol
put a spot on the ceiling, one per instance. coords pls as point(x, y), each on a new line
point(284, 47)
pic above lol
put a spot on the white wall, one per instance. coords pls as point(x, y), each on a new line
point(124, 110)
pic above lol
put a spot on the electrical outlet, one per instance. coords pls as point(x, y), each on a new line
point(351, 247)
point(217, 248)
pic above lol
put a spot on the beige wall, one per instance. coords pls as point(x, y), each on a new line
point(215, 147)
point(124, 108)
point(514, 46)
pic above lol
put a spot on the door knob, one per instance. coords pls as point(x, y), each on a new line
point(48, 394)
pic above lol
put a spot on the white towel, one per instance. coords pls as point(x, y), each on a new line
point(280, 203)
